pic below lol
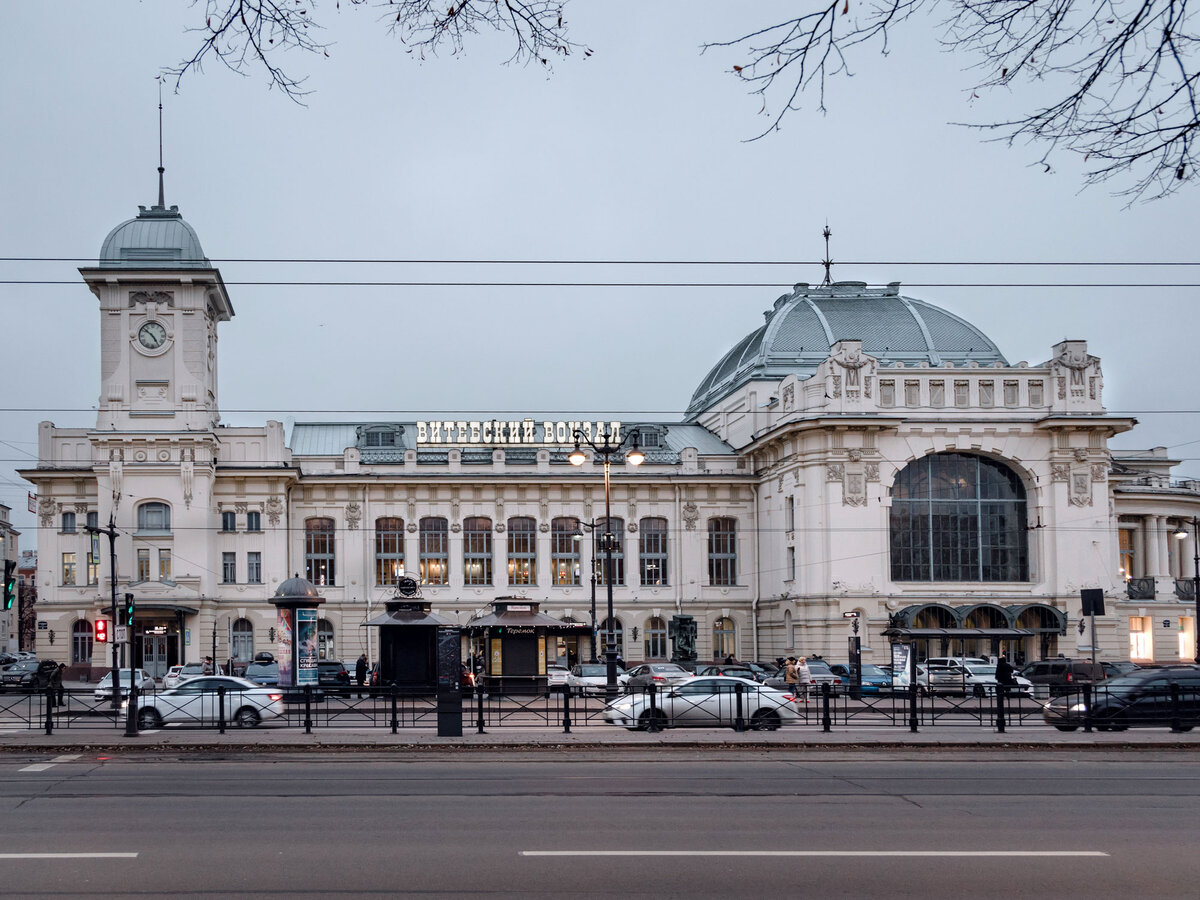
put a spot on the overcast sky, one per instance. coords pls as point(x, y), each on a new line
point(636, 153)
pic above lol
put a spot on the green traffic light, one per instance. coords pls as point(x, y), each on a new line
point(10, 583)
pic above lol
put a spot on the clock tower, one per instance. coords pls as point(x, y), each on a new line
point(160, 303)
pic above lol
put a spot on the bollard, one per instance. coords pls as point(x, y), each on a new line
point(395, 694)
point(566, 695)
point(653, 702)
point(825, 720)
point(221, 709)
point(1176, 718)
point(50, 698)
point(479, 707)
point(739, 721)
point(912, 708)
point(131, 711)
point(1087, 707)
point(308, 709)
point(1001, 690)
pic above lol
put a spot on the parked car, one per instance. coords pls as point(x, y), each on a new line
point(822, 674)
point(591, 678)
point(197, 701)
point(1063, 675)
point(733, 670)
point(1114, 668)
point(24, 675)
point(977, 680)
point(705, 702)
point(331, 675)
point(1140, 698)
point(142, 679)
point(262, 672)
point(660, 674)
point(556, 675)
point(874, 679)
point(176, 675)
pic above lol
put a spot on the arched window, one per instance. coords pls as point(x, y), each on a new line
point(319, 551)
point(81, 642)
point(958, 517)
point(652, 562)
point(722, 551)
point(241, 646)
point(724, 638)
point(325, 645)
point(617, 630)
point(435, 552)
point(389, 550)
point(154, 517)
point(614, 533)
point(565, 537)
point(655, 632)
point(522, 550)
point(477, 550)
point(789, 641)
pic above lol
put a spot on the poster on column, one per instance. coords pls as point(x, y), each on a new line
point(283, 635)
point(306, 646)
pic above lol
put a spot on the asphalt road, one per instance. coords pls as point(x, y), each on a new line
point(785, 824)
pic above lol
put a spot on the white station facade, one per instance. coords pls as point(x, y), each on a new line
point(860, 457)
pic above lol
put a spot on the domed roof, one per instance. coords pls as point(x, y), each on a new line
point(297, 588)
point(157, 238)
point(803, 325)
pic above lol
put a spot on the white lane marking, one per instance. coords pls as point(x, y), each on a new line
point(68, 855)
point(36, 767)
point(66, 758)
point(1005, 853)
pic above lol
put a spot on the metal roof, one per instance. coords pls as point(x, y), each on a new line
point(157, 238)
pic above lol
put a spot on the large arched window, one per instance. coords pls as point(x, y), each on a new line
point(242, 645)
point(81, 642)
point(614, 532)
point(477, 550)
point(389, 550)
point(958, 517)
point(319, 548)
point(722, 551)
point(435, 550)
point(154, 517)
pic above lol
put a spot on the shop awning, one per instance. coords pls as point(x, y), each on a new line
point(408, 617)
point(959, 632)
point(519, 617)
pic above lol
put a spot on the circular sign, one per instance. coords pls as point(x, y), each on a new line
point(406, 586)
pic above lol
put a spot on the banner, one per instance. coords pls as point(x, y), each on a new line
point(306, 646)
point(900, 664)
point(283, 637)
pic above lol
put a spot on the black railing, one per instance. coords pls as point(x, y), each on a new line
point(1140, 588)
point(1185, 589)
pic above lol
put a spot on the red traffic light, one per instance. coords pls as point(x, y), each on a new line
point(101, 631)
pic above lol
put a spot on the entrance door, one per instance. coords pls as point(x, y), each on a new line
point(154, 655)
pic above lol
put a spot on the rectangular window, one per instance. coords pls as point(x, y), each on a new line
point(610, 537)
point(228, 568)
point(1125, 552)
point(1012, 395)
point(389, 550)
point(1187, 639)
point(962, 394)
point(164, 565)
point(987, 393)
point(254, 567)
point(790, 575)
point(68, 568)
point(522, 550)
point(320, 548)
point(789, 513)
point(254, 521)
point(1141, 639)
point(1035, 393)
point(93, 519)
point(435, 551)
point(887, 393)
point(93, 569)
point(143, 564)
point(229, 521)
point(566, 537)
point(652, 562)
point(68, 523)
point(722, 551)
point(477, 551)
point(937, 393)
point(912, 393)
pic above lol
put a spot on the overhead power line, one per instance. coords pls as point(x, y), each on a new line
point(626, 262)
point(776, 285)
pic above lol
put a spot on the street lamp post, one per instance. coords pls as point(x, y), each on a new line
point(607, 444)
point(591, 527)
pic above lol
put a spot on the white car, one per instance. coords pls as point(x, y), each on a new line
point(176, 675)
point(104, 686)
point(592, 678)
point(974, 679)
point(705, 702)
point(197, 702)
point(556, 675)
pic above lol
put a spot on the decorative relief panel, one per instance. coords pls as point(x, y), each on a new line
point(1081, 489)
point(1099, 472)
point(1059, 472)
point(274, 509)
point(353, 515)
point(690, 515)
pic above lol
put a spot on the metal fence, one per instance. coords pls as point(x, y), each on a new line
point(736, 705)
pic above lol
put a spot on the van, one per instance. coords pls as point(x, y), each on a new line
point(1063, 675)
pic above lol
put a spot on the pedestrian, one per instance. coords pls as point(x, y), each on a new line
point(1005, 675)
point(789, 672)
point(803, 676)
point(729, 660)
point(360, 672)
point(206, 667)
point(57, 681)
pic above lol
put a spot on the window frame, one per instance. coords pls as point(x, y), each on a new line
point(722, 551)
point(320, 551)
point(228, 567)
point(477, 551)
point(522, 551)
point(153, 517)
point(653, 551)
point(434, 550)
point(389, 551)
point(566, 538)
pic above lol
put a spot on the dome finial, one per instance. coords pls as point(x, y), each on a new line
point(161, 199)
point(827, 262)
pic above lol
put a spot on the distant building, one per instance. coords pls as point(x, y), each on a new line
point(861, 451)
point(27, 586)
point(9, 552)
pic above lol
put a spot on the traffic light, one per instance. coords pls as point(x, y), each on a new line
point(102, 631)
point(127, 610)
point(10, 583)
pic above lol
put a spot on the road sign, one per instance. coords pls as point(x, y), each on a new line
point(121, 634)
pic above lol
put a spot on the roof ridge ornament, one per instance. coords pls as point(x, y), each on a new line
point(161, 201)
point(827, 262)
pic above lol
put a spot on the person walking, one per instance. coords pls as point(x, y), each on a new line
point(360, 672)
point(206, 667)
point(1005, 674)
point(60, 691)
point(803, 676)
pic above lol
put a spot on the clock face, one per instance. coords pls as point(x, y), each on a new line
point(152, 335)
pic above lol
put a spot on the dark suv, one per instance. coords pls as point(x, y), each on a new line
point(1167, 695)
point(334, 676)
point(1063, 675)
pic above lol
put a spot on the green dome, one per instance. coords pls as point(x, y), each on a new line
point(158, 238)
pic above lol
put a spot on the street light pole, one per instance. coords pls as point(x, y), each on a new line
point(609, 443)
point(591, 527)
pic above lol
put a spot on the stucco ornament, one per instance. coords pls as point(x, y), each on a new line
point(46, 510)
point(691, 514)
point(353, 515)
point(274, 509)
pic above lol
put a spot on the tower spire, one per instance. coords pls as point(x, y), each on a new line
point(161, 199)
point(827, 262)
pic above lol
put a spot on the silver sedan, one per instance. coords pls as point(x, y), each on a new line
point(706, 702)
point(197, 702)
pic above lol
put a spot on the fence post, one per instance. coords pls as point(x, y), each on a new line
point(395, 694)
point(1176, 719)
point(825, 721)
point(566, 695)
point(50, 699)
point(308, 709)
point(221, 708)
point(479, 706)
point(1087, 707)
point(1001, 690)
point(912, 707)
point(739, 721)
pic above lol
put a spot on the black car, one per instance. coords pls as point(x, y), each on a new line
point(26, 675)
point(334, 675)
point(1160, 696)
point(262, 672)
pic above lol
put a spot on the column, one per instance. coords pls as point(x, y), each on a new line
point(1150, 531)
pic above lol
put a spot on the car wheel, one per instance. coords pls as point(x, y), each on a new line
point(149, 718)
point(652, 720)
point(247, 717)
point(765, 720)
point(1067, 727)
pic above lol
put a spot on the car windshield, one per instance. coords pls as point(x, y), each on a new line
point(261, 669)
point(818, 665)
point(667, 669)
point(875, 671)
point(1123, 685)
